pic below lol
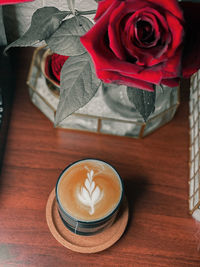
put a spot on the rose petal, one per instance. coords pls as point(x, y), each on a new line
point(171, 82)
point(172, 66)
point(102, 7)
point(110, 76)
point(150, 56)
point(177, 33)
point(114, 33)
point(9, 2)
point(57, 61)
point(172, 6)
point(147, 27)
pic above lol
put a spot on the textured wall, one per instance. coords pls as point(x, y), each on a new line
point(18, 17)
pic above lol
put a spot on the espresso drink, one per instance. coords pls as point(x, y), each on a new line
point(89, 190)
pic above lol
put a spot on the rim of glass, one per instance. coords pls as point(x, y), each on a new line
point(107, 216)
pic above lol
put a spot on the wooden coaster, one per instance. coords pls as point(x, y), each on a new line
point(85, 244)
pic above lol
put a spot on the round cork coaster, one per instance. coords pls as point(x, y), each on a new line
point(85, 244)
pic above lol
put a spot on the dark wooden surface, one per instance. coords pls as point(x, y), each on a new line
point(155, 170)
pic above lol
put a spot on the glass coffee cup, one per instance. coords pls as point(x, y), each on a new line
point(89, 193)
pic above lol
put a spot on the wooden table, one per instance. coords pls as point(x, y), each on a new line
point(155, 170)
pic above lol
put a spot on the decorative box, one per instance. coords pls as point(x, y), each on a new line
point(104, 113)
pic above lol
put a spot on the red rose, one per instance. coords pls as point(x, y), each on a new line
point(53, 66)
point(9, 2)
point(137, 42)
point(57, 61)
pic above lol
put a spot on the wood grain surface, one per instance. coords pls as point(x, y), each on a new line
point(160, 231)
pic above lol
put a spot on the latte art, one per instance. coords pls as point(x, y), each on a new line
point(89, 190)
point(90, 193)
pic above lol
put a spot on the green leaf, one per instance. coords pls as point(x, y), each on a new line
point(66, 40)
point(143, 100)
point(78, 85)
point(45, 21)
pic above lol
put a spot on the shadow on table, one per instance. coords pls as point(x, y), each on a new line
point(7, 84)
point(135, 188)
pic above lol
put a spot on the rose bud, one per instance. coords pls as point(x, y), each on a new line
point(57, 61)
point(53, 66)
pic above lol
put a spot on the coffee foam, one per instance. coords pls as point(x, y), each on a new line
point(89, 190)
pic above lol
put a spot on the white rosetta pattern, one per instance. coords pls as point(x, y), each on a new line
point(90, 194)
